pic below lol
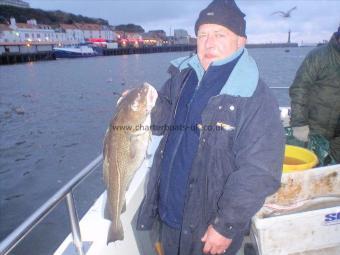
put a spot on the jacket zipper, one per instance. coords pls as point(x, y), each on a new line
point(181, 135)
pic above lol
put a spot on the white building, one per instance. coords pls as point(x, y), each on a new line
point(70, 33)
point(91, 31)
point(180, 33)
point(181, 36)
point(108, 34)
point(7, 34)
point(31, 32)
point(16, 3)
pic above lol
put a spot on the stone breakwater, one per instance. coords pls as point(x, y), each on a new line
point(34, 53)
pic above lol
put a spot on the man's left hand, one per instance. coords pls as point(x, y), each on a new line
point(214, 242)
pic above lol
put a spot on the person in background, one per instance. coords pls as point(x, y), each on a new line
point(223, 142)
point(315, 95)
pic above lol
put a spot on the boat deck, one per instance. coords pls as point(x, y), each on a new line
point(94, 227)
point(94, 232)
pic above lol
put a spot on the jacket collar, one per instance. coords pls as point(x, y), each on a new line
point(242, 80)
point(244, 77)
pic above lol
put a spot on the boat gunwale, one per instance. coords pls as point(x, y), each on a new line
point(16, 236)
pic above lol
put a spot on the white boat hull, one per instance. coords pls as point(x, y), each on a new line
point(74, 52)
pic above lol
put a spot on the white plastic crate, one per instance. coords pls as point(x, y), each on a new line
point(299, 232)
point(313, 230)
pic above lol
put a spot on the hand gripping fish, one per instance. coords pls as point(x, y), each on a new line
point(125, 147)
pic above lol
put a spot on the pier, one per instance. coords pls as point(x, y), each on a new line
point(25, 52)
point(16, 58)
point(146, 50)
point(15, 54)
point(271, 45)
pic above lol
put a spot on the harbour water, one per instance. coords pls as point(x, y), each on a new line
point(53, 116)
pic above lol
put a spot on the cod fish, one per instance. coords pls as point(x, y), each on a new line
point(125, 147)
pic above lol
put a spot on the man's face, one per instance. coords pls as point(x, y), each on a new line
point(215, 42)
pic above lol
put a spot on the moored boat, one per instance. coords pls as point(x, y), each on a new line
point(78, 51)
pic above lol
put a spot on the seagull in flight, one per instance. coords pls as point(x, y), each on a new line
point(285, 14)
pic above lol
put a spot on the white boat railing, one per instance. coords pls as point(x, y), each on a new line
point(14, 238)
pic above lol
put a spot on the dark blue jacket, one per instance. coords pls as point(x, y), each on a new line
point(182, 142)
point(239, 158)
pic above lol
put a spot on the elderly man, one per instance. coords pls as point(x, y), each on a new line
point(223, 142)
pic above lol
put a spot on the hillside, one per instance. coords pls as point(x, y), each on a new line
point(44, 17)
point(130, 28)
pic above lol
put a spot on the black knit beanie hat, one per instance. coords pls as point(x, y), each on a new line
point(224, 13)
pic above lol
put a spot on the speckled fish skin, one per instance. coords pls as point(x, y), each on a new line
point(125, 147)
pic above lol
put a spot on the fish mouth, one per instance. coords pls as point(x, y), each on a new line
point(151, 96)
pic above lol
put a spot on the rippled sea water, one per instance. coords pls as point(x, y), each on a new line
point(53, 116)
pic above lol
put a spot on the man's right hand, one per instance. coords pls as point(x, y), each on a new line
point(301, 133)
point(214, 242)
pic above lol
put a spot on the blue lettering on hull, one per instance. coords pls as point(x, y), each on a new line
point(332, 218)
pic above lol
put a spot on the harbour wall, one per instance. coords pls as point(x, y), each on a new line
point(14, 54)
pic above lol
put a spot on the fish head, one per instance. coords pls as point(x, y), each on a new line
point(137, 103)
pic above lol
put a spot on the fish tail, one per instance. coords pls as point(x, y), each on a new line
point(115, 234)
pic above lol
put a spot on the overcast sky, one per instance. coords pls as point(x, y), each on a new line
point(311, 21)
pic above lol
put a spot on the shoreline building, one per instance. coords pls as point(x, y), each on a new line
point(91, 31)
point(29, 32)
point(70, 33)
point(154, 38)
point(181, 36)
point(16, 3)
point(33, 33)
point(129, 39)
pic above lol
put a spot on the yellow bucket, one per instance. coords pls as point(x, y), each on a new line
point(298, 159)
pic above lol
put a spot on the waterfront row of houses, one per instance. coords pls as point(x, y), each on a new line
point(16, 3)
point(33, 33)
